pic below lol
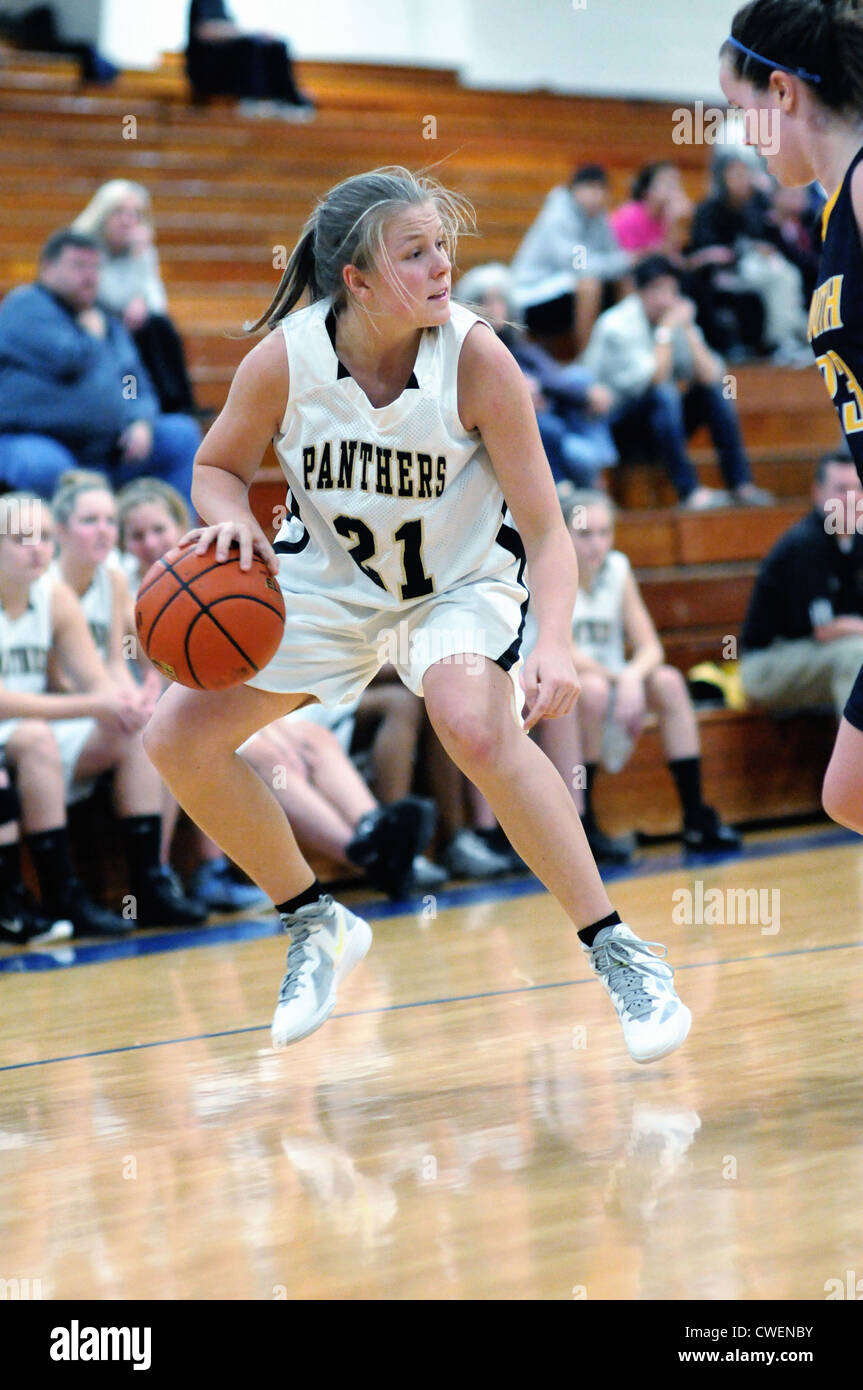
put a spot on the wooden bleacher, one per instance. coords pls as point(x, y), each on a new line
point(227, 191)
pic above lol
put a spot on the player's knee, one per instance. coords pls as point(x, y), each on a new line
point(594, 694)
point(474, 740)
point(668, 686)
point(34, 739)
point(160, 739)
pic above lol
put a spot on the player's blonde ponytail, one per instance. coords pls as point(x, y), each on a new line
point(347, 228)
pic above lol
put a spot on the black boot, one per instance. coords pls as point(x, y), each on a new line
point(161, 902)
point(706, 832)
point(87, 917)
point(608, 849)
point(387, 840)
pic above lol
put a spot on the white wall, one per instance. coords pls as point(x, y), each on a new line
point(648, 48)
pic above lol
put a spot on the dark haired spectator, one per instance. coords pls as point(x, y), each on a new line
point(223, 60)
point(73, 388)
point(735, 216)
point(666, 382)
point(656, 207)
point(802, 641)
point(130, 286)
point(571, 405)
point(569, 261)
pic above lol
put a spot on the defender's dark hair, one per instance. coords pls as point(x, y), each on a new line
point(652, 268)
point(347, 228)
point(58, 241)
point(821, 41)
point(645, 176)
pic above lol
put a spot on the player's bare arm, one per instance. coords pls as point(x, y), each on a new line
point(494, 399)
point(231, 454)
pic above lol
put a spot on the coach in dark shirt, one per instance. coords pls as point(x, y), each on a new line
point(802, 640)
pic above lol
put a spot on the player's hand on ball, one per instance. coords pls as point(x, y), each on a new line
point(223, 534)
point(550, 682)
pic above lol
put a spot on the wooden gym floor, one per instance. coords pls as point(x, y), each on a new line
point(468, 1124)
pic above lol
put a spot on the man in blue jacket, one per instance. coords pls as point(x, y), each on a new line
point(73, 390)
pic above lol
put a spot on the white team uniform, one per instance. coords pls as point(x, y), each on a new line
point(25, 644)
point(396, 545)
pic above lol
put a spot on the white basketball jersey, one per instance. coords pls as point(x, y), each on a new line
point(25, 642)
point(597, 619)
point(98, 606)
point(386, 506)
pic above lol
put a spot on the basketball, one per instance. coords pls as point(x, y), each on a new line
point(208, 624)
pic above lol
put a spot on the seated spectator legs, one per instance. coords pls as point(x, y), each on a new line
point(705, 404)
point(803, 673)
point(668, 698)
point(400, 717)
point(162, 353)
point(171, 457)
point(659, 414)
point(33, 462)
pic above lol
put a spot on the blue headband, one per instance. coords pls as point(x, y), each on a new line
point(795, 72)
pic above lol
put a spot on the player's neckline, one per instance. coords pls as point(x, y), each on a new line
point(411, 385)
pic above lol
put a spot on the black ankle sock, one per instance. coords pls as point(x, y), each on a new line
point(587, 934)
point(142, 838)
point(10, 866)
point(687, 776)
point(52, 860)
point(308, 895)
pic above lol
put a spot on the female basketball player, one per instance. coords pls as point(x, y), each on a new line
point(405, 430)
point(799, 64)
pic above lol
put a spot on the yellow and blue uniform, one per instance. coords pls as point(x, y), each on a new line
point(836, 335)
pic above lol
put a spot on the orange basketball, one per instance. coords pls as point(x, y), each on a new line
point(206, 624)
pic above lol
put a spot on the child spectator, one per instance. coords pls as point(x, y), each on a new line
point(55, 744)
point(73, 388)
point(618, 691)
point(130, 286)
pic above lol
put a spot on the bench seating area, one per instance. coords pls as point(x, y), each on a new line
point(229, 193)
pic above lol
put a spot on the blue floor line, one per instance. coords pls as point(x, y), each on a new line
point(424, 1004)
point(64, 955)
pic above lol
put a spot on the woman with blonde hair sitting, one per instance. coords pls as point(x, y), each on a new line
point(119, 216)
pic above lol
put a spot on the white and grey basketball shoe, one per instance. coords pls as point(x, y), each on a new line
point(641, 987)
point(327, 941)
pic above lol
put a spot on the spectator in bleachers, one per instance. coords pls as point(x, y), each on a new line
point(802, 641)
point(571, 405)
point(569, 261)
point(223, 60)
point(130, 286)
point(736, 216)
point(85, 515)
point(650, 353)
point(793, 225)
point(57, 743)
point(657, 205)
point(624, 676)
point(73, 389)
point(331, 810)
